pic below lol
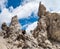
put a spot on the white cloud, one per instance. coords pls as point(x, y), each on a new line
point(50, 4)
point(5, 16)
point(53, 4)
point(26, 1)
point(31, 27)
point(2, 4)
point(21, 11)
point(26, 9)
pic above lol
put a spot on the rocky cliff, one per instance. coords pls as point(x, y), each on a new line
point(50, 22)
point(44, 36)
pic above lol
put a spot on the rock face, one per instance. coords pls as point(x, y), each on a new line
point(14, 24)
point(51, 22)
point(4, 26)
point(2, 43)
point(53, 27)
point(12, 37)
point(42, 10)
point(47, 27)
point(16, 38)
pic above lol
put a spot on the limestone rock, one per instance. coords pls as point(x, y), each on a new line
point(2, 43)
point(14, 28)
point(5, 30)
point(14, 25)
point(53, 27)
point(4, 26)
point(42, 10)
point(48, 26)
point(51, 22)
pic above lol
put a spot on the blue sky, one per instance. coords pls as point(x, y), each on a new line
point(26, 10)
point(14, 3)
point(11, 5)
point(23, 21)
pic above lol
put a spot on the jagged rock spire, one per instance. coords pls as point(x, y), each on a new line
point(39, 38)
point(50, 22)
point(14, 25)
point(41, 10)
